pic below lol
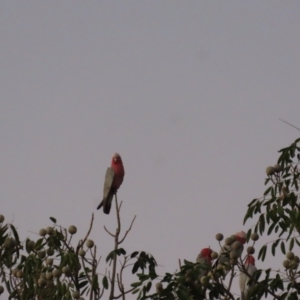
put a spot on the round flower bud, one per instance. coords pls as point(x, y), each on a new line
point(56, 273)
point(236, 245)
point(50, 251)
point(42, 282)
point(228, 241)
point(42, 232)
point(81, 252)
point(159, 287)
point(250, 250)
point(72, 229)
point(286, 264)
point(89, 243)
point(290, 255)
point(41, 254)
point(1, 289)
point(76, 295)
point(20, 274)
point(49, 261)
point(9, 243)
point(2, 218)
point(233, 254)
point(233, 238)
point(49, 276)
point(214, 255)
point(293, 265)
point(219, 237)
point(15, 271)
point(220, 267)
point(49, 230)
point(254, 236)
point(43, 275)
point(66, 270)
point(270, 171)
point(296, 259)
point(30, 245)
point(277, 168)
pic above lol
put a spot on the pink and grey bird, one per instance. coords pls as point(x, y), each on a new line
point(245, 285)
point(204, 258)
point(113, 179)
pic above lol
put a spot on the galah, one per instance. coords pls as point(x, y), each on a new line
point(204, 257)
point(113, 179)
point(224, 257)
point(245, 284)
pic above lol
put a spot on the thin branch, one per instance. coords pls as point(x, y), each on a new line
point(289, 124)
point(80, 244)
point(120, 242)
point(114, 267)
point(129, 291)
point(108, 232)
point(231, 278)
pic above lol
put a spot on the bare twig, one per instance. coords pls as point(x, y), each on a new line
point(113, 276)
point(289, 124)
point(231, 278)
point(127, 231)
point(108, 232)
point(80, 244)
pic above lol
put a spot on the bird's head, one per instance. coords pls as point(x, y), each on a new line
point(116, 159)
point(241, 237)
point(206, 253)
point(250, 260)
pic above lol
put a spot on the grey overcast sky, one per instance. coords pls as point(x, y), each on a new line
point(188, 92)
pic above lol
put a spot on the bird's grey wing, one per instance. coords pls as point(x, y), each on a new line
point(109, 178)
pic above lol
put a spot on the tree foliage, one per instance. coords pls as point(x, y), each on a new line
point(54, 267)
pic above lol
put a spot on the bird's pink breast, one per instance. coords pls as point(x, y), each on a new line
point(119, 175)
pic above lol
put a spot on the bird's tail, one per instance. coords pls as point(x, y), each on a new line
point(107, 203)
point(100, 205)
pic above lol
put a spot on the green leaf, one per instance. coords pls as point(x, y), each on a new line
point(136, 284)
point(149, 284)
point(134, 254)
point(135, 267)
point(95, 284)
point(110, 256)
point(282, 246)
point(135, 291)
point(262, 252)
point(53, 220)
point(261, 224)
point(267, 191)
point(249, 234)
point(15, 233)
point(273, 249)
point(122, 251)
point(83, 284)
point(105, 282)
point(271, 228)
